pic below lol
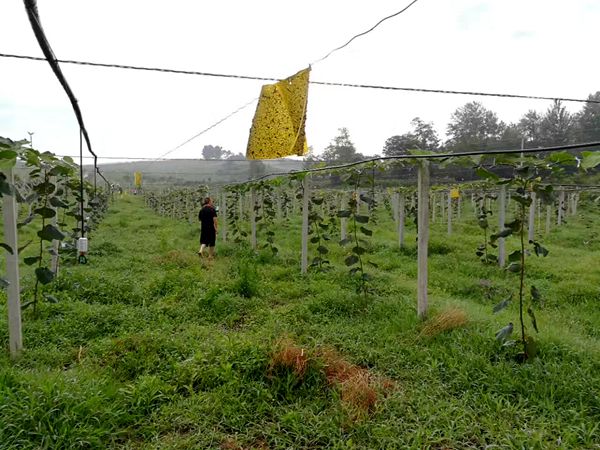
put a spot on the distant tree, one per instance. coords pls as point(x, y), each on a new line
point(473, 127)
point(510, 138)
point(235, 157)
point(215, 152)
point(587, 121)
point(423, 136)
point(341, 149)
point(400, 145)
point(557, 125)
point(530, 128)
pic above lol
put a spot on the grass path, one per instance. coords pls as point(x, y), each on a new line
point(150, 348)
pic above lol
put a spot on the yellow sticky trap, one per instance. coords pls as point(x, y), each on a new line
point(454, 193)
point(278, 124)
point(137, 179)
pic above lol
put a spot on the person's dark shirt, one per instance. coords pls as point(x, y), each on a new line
point(205, 216)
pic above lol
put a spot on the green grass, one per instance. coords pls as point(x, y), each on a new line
point(150, 348)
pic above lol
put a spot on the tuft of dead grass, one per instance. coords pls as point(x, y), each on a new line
point(288, 355)
point(360, 389)
point(447, 320)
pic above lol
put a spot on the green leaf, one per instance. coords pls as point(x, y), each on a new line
point(314, 239)
point(50, 233)
point(31, 260)
point(344, 242)
point(26, 305)
point(361, 219)
point(44, 275)
point(531, 347)
point(366, 231)
point(45, 212)
point(535, 294)
point(358, 250)
point(515, 256)
point(485, 173)
point(58, 203)
point(539, 250)
point(502, 234)
point(4, 283)
point(8, 159)
point(532, 317)
point(590, 160)
point(24, 246)
point(50, 298)
point(502, 305)
point(514, 226)
point(514, 267)
point(7, 248)
point(562, 158)
point(351, 260)
point(344, 213)
point(322, 250)
point(483, 223)
point(5, 187)
point(373, 264)
point(522, 199)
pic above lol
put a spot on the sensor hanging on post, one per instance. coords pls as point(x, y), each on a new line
point(82, 248)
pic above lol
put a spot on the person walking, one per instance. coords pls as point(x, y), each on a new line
point(208, 227)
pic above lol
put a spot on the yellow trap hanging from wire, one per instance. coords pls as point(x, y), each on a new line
point(278, 124)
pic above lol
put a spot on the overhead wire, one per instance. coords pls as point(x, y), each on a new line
point(323, 83)
point(365, 32)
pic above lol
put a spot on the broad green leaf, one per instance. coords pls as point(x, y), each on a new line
point(502, 234)
point(4, 283)
point(322, 250)
point(351, 260)
point(361, 219)
point(44, 275)
point(485, 173)
point(531, 347)
point(7, 248)
point(45, 212)
point(590, 160)
point(50, 298)
point(50, 233)
point(358, 250)
point(562, 158)
point(514, 267)
point(344, 213)
point(535, 294)
point(366, 231)
point(58, 203)
point(31, 260)
point(532, 317)
point(515, 256)
point(500, 306)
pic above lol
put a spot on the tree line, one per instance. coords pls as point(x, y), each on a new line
point(474, 127)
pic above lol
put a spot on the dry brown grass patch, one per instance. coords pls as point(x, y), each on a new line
point(289, 356)
point(359, 388)
point(445, 321)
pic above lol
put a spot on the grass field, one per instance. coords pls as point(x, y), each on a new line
point(148, 347)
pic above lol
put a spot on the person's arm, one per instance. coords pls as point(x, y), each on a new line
point(215, 222)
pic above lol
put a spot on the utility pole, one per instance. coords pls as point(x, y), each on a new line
point(31, 133)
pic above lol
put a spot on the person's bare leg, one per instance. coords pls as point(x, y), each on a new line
point(211, 252)
point(201, 251)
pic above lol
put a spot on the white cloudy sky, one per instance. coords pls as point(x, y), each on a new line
point(536, 47)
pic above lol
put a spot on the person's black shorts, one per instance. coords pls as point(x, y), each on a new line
point(208, 238)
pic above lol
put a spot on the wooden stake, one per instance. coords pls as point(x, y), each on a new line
point(9, 212)
point(305, 199)
point(401, 219)
point(422, 237)
point(449, 214)
point(223, 216)
point(501, 220)
point(531, 224)
point(253, 218)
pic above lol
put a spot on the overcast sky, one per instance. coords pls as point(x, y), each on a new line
point(536, 47)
